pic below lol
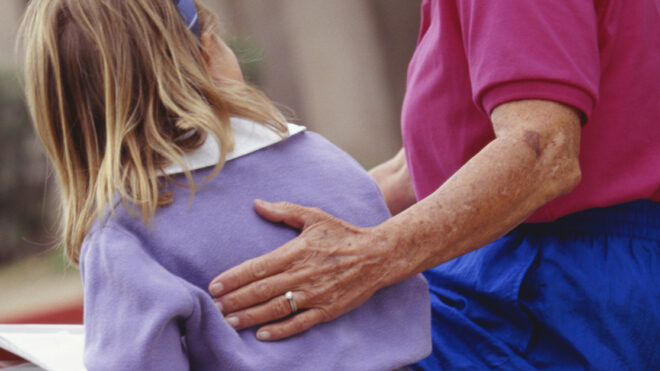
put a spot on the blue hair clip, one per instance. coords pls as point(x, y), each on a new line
point(189, 14)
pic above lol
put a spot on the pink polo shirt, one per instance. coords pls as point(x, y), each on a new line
point(602, 57)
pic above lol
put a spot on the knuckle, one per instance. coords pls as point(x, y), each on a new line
point(264, 290)
point(299, 325)
point(304, 296)
point(303, 242)
point(257, 268)
point(248, 319)
point(325, 314)
point(286, 205)
point(231, 303)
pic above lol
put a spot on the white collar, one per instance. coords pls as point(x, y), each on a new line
point(249, 137)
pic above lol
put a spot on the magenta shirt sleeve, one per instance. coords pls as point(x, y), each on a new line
point(521, 49)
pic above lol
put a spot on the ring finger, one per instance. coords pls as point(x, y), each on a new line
point(275, 309)
point(255, 293)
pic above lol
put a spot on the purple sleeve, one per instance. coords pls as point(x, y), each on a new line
point(129, 296)
point(521, 49)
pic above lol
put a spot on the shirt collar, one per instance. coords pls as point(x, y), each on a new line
point(249, 137)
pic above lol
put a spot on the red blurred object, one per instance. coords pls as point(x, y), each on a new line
point(6, 356)
point(68, 314)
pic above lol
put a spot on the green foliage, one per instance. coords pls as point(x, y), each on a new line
point(58, 262)
point(249, 56)
point(23, 171)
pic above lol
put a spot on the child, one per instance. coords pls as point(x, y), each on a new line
point(140, 106)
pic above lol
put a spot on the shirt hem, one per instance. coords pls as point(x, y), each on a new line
point(538, 89)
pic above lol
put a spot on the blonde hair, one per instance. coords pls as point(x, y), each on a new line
point(112, 87)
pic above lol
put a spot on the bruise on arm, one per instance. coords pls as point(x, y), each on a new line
point(533, 159)
point(533, 139)
point(539, 125)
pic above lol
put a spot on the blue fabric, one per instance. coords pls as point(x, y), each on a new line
point(579, 293)
point(190, 16)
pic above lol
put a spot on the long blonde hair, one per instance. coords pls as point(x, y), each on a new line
point(112, 87)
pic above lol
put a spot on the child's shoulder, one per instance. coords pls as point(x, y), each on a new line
point(312, 152)
point(110, 238)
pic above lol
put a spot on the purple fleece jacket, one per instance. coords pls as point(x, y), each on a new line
point(146, 303)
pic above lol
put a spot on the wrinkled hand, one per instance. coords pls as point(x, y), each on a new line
point(331, 268)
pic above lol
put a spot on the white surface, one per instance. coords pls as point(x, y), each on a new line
point(51, 347)
point(19, 366)
point(249, 137)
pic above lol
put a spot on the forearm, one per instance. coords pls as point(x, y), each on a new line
point(333, 266)
point(394, 181)
point(495, 191)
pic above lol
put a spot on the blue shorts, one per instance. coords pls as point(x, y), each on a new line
point(579, 293)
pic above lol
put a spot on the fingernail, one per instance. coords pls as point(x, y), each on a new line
point(233, 321)
point(219, 305)
point(263, 335)
point(216, 288)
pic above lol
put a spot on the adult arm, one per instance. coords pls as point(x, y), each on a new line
point(134, 308)
point(394, 181)
point(333, 267)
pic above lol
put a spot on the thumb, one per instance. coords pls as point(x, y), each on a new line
point(296, 216)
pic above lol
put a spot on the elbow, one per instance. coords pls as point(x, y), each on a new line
point(572, 178)
point(559, 161)
point(564, 178)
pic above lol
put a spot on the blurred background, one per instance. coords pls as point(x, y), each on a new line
point(337, 66)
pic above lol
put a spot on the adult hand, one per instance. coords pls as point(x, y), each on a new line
point(331, 268)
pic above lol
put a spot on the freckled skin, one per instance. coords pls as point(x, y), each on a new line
point(333, 267)
point(501, 186)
